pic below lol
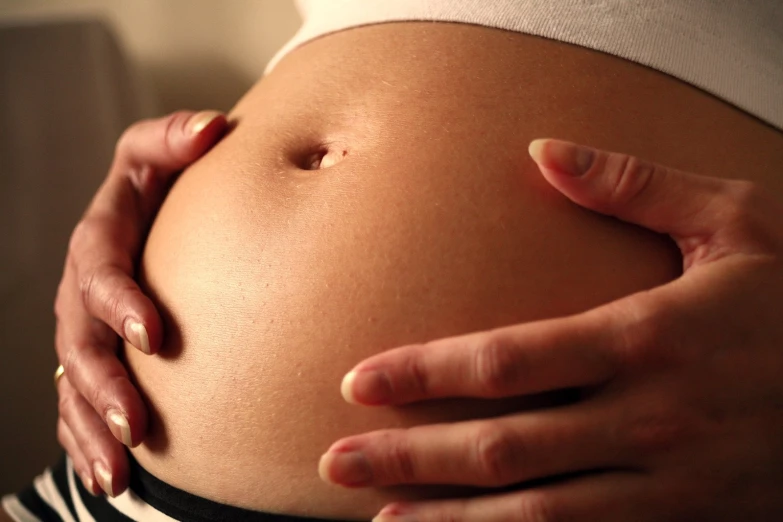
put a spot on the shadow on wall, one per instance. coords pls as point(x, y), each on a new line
point(67, 92)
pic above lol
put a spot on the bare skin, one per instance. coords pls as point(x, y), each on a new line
point(274, 280)
point(679, 386)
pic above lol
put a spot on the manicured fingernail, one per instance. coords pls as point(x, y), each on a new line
point(119, 427)
point(372, 387)
point(564, 156)
point(199, 122)
point(345, 468)
point(103, 475)
point(141, 339)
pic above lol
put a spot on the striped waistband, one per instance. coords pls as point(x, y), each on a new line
point(58, 495)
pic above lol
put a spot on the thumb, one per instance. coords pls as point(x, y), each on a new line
point(170, 143)
point(706, 216)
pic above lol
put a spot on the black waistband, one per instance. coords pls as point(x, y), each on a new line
point(187, 507)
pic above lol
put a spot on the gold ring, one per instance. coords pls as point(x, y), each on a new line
point(57, 374)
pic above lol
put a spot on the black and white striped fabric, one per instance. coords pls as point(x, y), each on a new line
point(58, 495)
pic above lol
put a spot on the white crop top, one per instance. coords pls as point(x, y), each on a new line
point(732, 49)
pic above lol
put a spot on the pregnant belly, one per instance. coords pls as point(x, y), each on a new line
point(377, 191)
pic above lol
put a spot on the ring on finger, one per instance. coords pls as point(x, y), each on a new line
point(59, 372)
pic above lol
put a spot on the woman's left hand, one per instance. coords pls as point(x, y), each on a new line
point(680, 415)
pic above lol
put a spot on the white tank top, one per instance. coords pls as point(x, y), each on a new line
point(732, 49)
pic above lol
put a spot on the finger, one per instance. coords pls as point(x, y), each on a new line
point(87, 351)
point(102, 268)
point(170, 143)
point(148, 156)
point(609, 497)
point(104, 245)
point(496, 452)
point(104, 455)
point(523, 359)
point(80, 464)
point(705, 215)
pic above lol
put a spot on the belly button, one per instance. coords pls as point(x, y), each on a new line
point(324, 158)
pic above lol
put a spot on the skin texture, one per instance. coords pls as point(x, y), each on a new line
point(275, 280)
point(679, 387)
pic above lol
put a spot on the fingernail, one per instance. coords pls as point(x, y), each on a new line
point(395, 513)
point(119, 427)
point(142, 340)
point(103, 475)
point(373, 387)
point(199, 122)
point(346, 388)
point(89, 485)
point(345, 468)
point(564, 156)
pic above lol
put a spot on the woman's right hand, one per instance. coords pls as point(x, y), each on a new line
point(98, 299)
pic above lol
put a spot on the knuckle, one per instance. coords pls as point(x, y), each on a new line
point(633, 178)
point(496, 454)
point(65, 403)
point(174, 125)
point(127, 140)
point(167, 128)
point(71, 365)
point(70, 361)
point(640, 341)
point(496, 366)
point(169, 132)
point(539, 508)
point(94, 395)
point(400, 462)
point(95, 399)
point(418, 376)
point(95, 296)
point(81, 233)
point(87, 286)
point(656, 431)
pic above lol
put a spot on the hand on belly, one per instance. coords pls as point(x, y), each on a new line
point(336, 223)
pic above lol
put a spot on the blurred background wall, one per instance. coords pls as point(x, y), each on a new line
point(73, 75)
